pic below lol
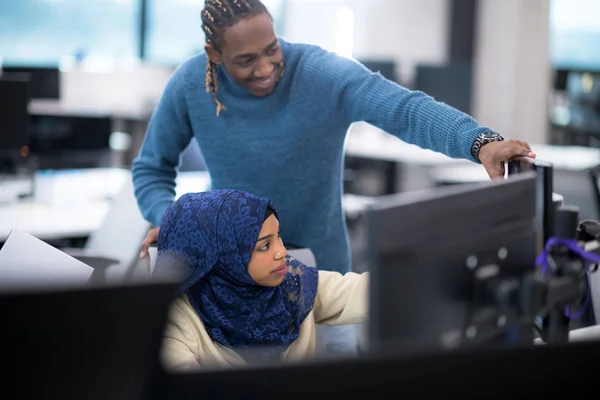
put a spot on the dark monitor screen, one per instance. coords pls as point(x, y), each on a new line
point(561, 77)
point(450, 84)
point(45, 81)
point(446, 265)
point(14, 115)
point(89, 343)
point(386, 68)
point(50, 134)
point(513, 373)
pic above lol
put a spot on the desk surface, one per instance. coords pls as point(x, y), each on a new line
point(590, 333)
point(83, 216)
point(54, 107)
point(79, 219)
point(366, 141)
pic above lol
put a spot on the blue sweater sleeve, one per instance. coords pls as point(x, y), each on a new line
point(412, 116)
point(155, 168)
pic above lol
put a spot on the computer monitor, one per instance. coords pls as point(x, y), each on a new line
point(446, 266)
point(58, 134)
point(497, 374)
point(561, 78)
point(451, 84)
point(14, 115)
point(45, 81)
point(14, 119)
point(386, 68)
point(86, 343)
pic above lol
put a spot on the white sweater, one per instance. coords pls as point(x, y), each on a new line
point(340, 300)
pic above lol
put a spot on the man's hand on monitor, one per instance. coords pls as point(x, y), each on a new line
point(152, 237)
point(494, 155)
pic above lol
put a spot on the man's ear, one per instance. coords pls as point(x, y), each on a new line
point(213, 54)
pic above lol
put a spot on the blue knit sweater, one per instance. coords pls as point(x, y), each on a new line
point(288, 146)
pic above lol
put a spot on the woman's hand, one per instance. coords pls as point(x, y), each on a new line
point(493, 155)
point(152, 237)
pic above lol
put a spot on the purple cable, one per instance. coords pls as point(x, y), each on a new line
point(590, 258)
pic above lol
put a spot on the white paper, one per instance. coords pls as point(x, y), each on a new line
point(28, 262)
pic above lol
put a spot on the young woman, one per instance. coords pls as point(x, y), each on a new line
point(243, 299)
point(271, 118)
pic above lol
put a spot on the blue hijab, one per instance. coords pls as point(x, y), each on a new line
point(211, 237)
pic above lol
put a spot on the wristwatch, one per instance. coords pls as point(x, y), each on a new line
point(482, 139)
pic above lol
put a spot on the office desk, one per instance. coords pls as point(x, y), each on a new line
point(590, 333)
point(569, 159)
point(572, 176)
point(369, 142)
point(424, 168)
point(82, 216)
point(47, 223)
point(55, 107)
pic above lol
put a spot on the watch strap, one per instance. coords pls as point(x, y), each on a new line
point(481, 140)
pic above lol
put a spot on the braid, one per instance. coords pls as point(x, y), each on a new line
point(217, 15)
point(212, 84)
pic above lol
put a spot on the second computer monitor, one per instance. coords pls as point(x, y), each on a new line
point(45, 81)
point(446, 265)
point(387, 68)
point(14, 115)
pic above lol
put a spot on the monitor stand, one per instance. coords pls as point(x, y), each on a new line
point(16, 178)
point(7, 165)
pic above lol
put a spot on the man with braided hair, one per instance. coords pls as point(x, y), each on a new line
point(281, 135)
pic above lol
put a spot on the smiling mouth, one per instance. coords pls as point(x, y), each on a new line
point(268, 82)
point(263, 83)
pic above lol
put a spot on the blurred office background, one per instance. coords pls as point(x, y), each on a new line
point(96, 68)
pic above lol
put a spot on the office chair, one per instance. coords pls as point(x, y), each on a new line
point(115, 246)
point(191, 158)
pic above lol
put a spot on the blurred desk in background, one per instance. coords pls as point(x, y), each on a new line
point(367, 141)
point(370, 142)
point(78, 203)
point(563, 158)
point(56, 107)
point(377, 163)
point(418, 168)
point(575, 176)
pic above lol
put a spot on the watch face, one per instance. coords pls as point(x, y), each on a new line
point(490, 135)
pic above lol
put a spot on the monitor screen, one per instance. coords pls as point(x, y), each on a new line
point(386, 68)
point(45, 81)
point(446, 265)
point(450, 84)
point(50, 134)
point(14, 117)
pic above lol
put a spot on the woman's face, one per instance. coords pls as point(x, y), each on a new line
point(267, 266)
